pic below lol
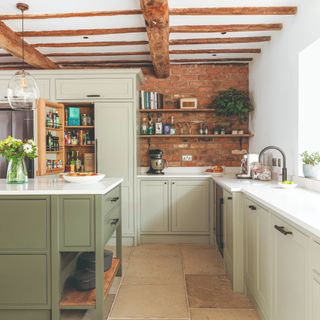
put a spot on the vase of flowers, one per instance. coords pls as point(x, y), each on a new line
point(15, 150)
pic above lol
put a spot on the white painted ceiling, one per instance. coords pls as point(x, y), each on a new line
point(62, 6)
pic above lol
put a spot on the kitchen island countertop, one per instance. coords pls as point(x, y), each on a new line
point(53, 185)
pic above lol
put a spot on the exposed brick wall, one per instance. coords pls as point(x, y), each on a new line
point(202, 82)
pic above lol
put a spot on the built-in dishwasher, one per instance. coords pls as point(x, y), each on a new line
point(219, 218)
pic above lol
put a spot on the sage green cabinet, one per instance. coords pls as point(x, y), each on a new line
point(24, 224)
point(116, 155)
point(190, 206)
point(291, 266)
point(154, 206)
point(76, 223)
point(92, 88)
point(24, 280)
point(258, 257)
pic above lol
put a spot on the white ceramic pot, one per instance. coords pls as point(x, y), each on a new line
point(310, 171)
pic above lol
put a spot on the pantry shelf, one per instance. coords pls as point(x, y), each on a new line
point(175, 110)
point(79, 127)
point(73, 299)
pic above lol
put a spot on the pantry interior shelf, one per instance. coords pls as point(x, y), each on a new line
point(78, 145)
point(79, 127)
point(219, 136)
point(73, 299)
point(176, 110)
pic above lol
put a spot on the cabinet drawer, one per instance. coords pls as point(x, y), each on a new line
point(76, 223)
point(111, 199)
point(315, 257)
point(24, 224)
point(93, 89)
point(23, 280)
point(111, 221)
point(25, 314)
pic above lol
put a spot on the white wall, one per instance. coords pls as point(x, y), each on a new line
point(274, 83)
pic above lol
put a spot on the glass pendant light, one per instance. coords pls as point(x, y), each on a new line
point(22, 89)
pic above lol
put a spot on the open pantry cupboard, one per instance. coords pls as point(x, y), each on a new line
point(66, 137)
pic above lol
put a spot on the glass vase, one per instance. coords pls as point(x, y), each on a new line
point(17, 171)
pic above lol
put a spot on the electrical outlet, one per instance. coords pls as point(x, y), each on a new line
point(187, 157)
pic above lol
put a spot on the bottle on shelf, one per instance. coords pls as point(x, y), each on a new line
point(172, 126)
point(158, 126)
point(144, 126)
point(166, 128)
point(57, 120)
point(78, 161)
point(150, 129)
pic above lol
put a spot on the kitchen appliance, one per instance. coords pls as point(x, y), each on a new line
point(157, 164)
point(219, 218)
point(246, 165)
point(18, 124)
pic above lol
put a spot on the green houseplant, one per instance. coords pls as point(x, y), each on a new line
point(15, 150)
point(233, 102)
point(311, 164)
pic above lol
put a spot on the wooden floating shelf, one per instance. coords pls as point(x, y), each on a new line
point(197, 136)
point(79, 145)
point(73, 299)
point(54, 129)
point(176, 110)
point(79, 127)
point(52, 151)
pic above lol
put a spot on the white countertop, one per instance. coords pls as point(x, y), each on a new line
point(52, 185)
point(298, 205)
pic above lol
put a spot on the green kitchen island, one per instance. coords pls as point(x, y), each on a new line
point(44, 226)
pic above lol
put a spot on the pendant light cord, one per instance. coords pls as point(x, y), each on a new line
point(22, 36)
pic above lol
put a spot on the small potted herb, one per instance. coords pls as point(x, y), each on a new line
point(233, 102)
point(311, 164)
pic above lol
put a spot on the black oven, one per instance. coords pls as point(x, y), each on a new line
point(219, 218)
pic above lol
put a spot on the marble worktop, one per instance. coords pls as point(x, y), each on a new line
point(54, 185)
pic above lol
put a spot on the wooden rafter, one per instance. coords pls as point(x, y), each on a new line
point(12, 43)
point(156, 15)
point(211, 60)
point(81, 32)
point(104, 62)
point(226, 28)
point(98, 54)
point(219, 40)
point(199, 51)
point(174, 11)
point(91, 44)
point(234, 11)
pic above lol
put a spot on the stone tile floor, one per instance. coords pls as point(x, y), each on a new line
point(174, 282)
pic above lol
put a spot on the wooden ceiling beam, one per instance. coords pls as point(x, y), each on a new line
point(234, 11)
point(81, 32)
point(226, 28)
point(90, 44)
point(200, 51)
point(70, 15)
point(12, 43)
point(211, 60)
point(97, 54)
point(156, 15)
point(104, 62)
point(219, 40)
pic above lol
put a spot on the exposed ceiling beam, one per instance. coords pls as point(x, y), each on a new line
point(174, 11)
point(211, 60)
point(70, 15)
point(215, 51)
point(235, 11)
point(219, 40)
point(97, 54)
point(81, 32)
point(226, 28)
point(104, 61)
point(12, 43)
point(91, 44)
point(156, 15)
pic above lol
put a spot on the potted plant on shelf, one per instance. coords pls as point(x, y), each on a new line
point(15, 150)
point(233, 102)
point(311, 164)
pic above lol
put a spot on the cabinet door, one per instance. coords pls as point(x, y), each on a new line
point(115, 151)
point(291, 267)
point(228, 232)
point(315, 298)
point(154, 206)
point(190, 206)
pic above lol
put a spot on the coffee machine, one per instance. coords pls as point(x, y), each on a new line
point(157, 164)
point(246, 165)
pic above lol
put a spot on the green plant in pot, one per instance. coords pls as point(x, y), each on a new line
point(311, 164)
point(233, 102)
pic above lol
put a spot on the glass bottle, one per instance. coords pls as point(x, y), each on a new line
point(158, 125)
point(150, 129)
point(78, 161)
point(172, 127)
point(144, 126)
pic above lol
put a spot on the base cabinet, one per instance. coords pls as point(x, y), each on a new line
point(291, 272)
point(170, 206)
